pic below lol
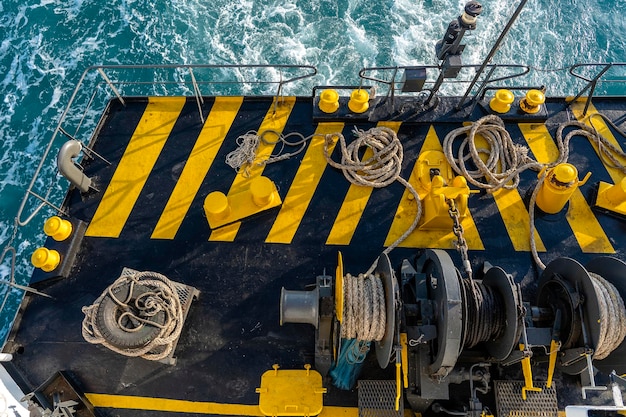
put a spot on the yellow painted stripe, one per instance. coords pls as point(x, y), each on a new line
point(353, 205)
point(406, 213)
point(602, 128)
point(275, 119)
point(303, 187)
point(581, 219)
point(207, 145)
point(197, 407)
point(133, 169)
point(516, 219)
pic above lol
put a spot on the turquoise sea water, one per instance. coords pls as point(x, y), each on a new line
point(46, 45)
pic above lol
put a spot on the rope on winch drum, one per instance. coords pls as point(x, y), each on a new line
point(164, 297)
point(506, 160)
point(364, 316)
point(612, 317)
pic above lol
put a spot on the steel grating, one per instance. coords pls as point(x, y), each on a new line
point(509, 400)
point(378, 399)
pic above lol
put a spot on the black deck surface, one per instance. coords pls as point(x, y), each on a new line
point(232, 334)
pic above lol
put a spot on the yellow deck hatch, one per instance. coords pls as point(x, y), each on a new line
point(291, 392)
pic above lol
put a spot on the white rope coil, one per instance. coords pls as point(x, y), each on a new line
point(246, 155)
point(161, 297)
point(612, 317)
point(364, 314)
point(378, 171)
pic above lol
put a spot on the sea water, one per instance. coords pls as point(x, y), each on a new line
point(45, 46)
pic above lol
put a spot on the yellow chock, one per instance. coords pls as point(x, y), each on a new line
point(429, 162)
point(501, 102)
point(531, 104)
point(57, 228)
point(558, 186)
point(260, 195)
point(359, 101)
point(329, 101)
point(46, 259)
point(436, 209)
point(612, 197)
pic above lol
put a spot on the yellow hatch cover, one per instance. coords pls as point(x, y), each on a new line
point(291, 392)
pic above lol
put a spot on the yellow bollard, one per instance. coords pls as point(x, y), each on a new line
point(46, 259)
point(216, 206)
point(501, 102)
point(531, 104)
point(558, 186)
point(329, 101)
point(57, 228)
point(359, 101)
point(262, 190)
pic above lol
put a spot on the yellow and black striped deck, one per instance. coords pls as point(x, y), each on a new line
point(148, 215)
point(165, 133)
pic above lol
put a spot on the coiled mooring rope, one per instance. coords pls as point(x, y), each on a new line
point(245, 155)
point(161, 297)
point(506, 160)
point(378, 171)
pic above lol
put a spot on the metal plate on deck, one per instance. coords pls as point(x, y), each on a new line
point(378, 399)
point(509, 400)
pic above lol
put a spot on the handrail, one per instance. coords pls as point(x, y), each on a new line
point(521, 70)
point(116, 86)
point(593, 82)
point(116, 81)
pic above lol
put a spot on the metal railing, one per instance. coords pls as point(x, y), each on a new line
point(97, 86)
point(153, 80)
point(600, 77)
point(511, 76)
point(391, 77)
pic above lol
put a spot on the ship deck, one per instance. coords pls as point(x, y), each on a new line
point(148, 215)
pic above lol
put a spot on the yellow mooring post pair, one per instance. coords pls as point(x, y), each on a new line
point(530, 104)
point(48, 259)
point(221, 210)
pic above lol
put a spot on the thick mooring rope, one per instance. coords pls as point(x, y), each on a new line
point(364, 315)
point(161, 297)
point(612, 317)
point(506, 160)
point(378, 171)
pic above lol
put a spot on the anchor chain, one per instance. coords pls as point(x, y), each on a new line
point(457, 229)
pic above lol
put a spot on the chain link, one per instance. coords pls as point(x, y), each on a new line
point(457, 229)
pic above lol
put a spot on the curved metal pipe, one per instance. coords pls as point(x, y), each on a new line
point(68, 169)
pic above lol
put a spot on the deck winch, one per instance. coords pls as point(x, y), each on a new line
point(449, 323)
